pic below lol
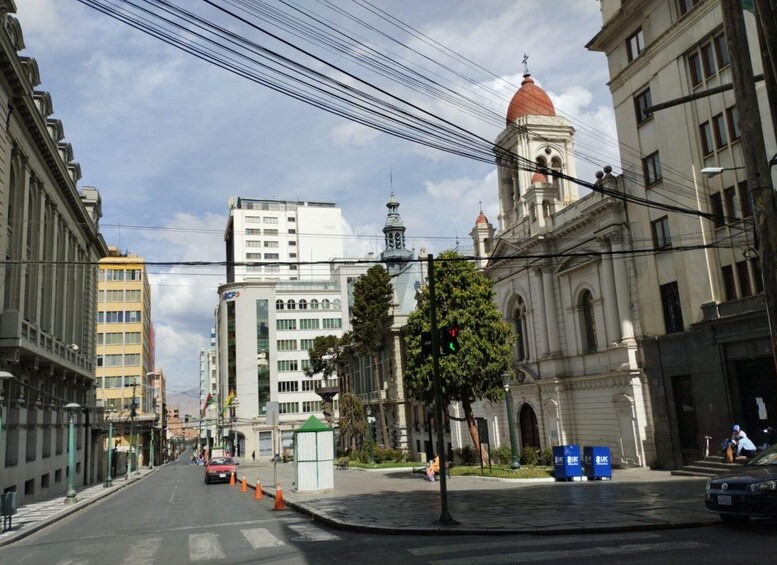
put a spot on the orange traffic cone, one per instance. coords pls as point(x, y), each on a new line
point(258, 492)
point(243, 485)
point(279, 504)
point(232, 479)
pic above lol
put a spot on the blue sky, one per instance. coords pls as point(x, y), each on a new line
point(168, 138)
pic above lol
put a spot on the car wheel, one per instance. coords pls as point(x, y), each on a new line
point(734, 519)
point(207, 480)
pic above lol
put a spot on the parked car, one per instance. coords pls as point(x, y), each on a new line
point(750, 491)
point(219, 469)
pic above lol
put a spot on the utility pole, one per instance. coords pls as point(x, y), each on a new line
point(132, 432)
point(759, 178)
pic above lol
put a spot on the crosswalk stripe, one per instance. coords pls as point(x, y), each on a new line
point(261, 537)
point(142, 552)
point(529, 542)
point(571, 554)
point(310, 532)
point(204, 546)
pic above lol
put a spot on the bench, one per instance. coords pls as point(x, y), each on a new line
point(342, 464)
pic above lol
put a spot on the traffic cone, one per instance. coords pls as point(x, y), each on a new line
point(279, 504)
point(243, 485)
point(258, 492)
point(232, 479)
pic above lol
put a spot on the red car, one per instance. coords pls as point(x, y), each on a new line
point(219, 469)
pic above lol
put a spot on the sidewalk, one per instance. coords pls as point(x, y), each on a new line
point(396, 500)
point(36, 516)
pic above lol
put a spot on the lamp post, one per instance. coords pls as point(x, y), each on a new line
point(371, 424)
point(109, 475)
point(506, 378)
point(70, 498)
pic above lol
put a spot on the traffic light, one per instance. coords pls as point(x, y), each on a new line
point(450, 340)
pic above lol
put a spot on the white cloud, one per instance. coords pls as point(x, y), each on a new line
point(351, 133)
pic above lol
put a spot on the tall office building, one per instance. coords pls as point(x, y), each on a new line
point(270, 240)
point(125, 371)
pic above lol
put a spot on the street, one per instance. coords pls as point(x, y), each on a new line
point(172, 517)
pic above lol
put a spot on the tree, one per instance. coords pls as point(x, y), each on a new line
point(464, 298)
point(353, 423)
point(372, 296)
point(331, 355)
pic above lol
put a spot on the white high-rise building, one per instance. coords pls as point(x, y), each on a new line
point(271, 240)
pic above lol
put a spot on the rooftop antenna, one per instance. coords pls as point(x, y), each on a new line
point(456, 231)
point(525, 62)
point(391, 180)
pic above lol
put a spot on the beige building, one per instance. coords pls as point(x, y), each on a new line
point(125, 371)
point(50, 245)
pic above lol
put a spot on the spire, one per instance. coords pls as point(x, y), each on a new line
point(525, 62)
point(394, 236)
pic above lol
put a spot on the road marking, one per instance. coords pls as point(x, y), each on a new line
point(172, 496)
point(203, 547)
point(310, 532)
point(228, 524)
point(142, 552)
point(571, 554)
point(261, 537)
point(530, 542)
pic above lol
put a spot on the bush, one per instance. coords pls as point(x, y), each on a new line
point(465, 456)
point(502, 455)
point(547, 457)
point(531, 456)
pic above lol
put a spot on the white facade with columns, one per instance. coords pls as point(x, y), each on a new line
point(565, 279)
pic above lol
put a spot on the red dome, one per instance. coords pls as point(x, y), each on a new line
point(530, 100)
point(481, 219)
point(538, 177)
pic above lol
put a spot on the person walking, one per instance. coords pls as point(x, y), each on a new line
point(253, 455)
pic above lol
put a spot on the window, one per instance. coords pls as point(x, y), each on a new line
point(272, 268)
point(287, 365)
point(716, 203)
point(114, 275)
point(292, 244)
point(728, 282)
point(305, 364)
point(673, 313)
point(635, 44)
point(686, 6)
point(744, 278)
point(253, 243)
point(303, 304)
point(308, 324)
point(694, 68)
point(705, 136)
point(287, 345)
point(288, 386)
point(719, 126)
point(282, 324)
point(708, 59)
point(721, 50)
point(269, 220)
point(332, 323)
point(114, 296)
point(292, 230)
point(270, 231)
point(253, 231)
point(314, 304)
point(271, 256)
point(292, 255)
point(132, 360)
point(291, 304)
point(745, 201)
point(588, 322)
point(731, 203)
point(253, 219)
point(292, 267)
point(305, 344)
point(279, 304)
point(132, 296)
point(732, 116)
point(253, 255)
point(521, 323)
point(288, 407)
point(134, 275)
point(271, 244)
point(132, 338)
point(652, 168)
point(642, 102)
point(291, 219)
point(661, 237)
point(309, 406)
point(309, 385)
point(111, 317)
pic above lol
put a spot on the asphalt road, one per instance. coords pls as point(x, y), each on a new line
point(172, 517)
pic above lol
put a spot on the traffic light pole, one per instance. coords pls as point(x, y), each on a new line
point(445, 517)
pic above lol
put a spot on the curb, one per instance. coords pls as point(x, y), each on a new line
point(37, 526)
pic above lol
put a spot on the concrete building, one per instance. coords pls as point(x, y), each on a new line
point(706, 340)
point(50, 244)
point(209, 393)
point(564, 279)
point(125, 371)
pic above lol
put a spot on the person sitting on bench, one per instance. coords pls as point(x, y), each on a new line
point(432, 468)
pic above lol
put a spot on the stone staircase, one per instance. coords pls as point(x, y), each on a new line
point(708, 467)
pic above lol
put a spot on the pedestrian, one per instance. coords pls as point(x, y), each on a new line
point(433, 467)
point(253, 455)
point(745, 448)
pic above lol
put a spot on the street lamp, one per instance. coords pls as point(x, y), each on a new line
point(710, 172)
point(109, 475)
point(371, 423)
point(506, 378)
point(70, 498)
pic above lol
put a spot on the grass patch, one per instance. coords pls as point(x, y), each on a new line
point(385, 465)
point(504, 472)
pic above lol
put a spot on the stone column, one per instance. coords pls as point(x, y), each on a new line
point(540, 313)
point(550, 308)
point(611, 321)
point(617, 239)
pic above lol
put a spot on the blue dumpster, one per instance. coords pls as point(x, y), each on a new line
point(566, 462)
point(597, 463)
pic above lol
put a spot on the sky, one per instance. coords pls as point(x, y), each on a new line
point(168, 138)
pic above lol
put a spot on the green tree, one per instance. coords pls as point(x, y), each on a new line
point(372, 296)
point(464, 298)
point(353, 422)
point(331, 355)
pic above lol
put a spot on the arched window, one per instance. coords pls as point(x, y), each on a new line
point(521, 331)
point(555, 164)
point(336, 304)
point(533, 211)
point(325, 304)
point(314, 304)
point(588, 325)
point(291, 305)
point(542, 164)
point(279, 304)
point(303, 304)
point(546, 209)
